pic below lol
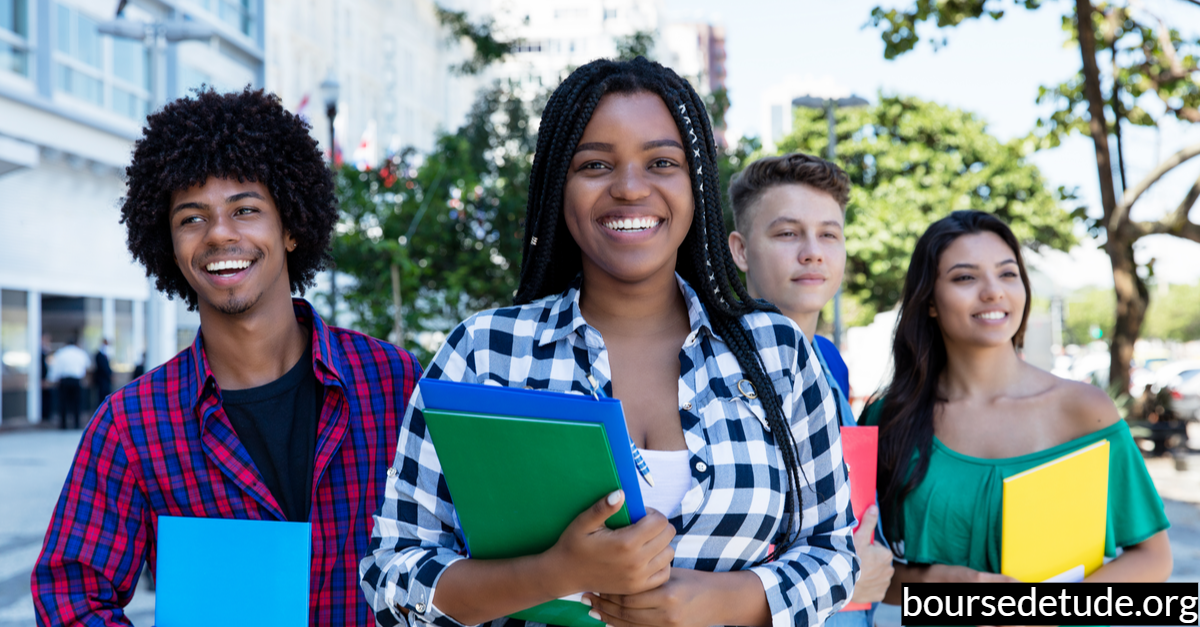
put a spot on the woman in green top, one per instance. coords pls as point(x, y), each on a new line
point(964, 411)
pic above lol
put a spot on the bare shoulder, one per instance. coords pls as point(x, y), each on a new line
point(1086, 407)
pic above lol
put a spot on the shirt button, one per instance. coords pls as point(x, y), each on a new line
point(687, 406)
point(420, 607)
point(392, 472)
point(701, 466)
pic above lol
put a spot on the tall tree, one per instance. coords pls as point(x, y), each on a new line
point(912, 162)
point(1144, 60)
point(451, 227)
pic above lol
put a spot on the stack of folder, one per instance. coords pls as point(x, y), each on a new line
point(522, 464)
point(1055, 518)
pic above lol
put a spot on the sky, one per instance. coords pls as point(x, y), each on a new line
point(992, 68)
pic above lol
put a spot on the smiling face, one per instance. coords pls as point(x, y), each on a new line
point(230, 244)
point(979, 298)
point(628, 195)
point(793, 250)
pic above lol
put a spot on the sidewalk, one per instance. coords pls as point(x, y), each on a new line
point(34, 463)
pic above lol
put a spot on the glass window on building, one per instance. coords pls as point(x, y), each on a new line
point(236, 13)
point(16, 355)
point(105, 71)
point(131, 78)
point(14, 36)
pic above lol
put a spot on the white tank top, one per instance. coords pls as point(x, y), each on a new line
point(672, 479)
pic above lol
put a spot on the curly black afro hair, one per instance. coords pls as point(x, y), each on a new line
point(247, 136)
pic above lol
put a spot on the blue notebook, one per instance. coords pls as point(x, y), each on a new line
point(219, 571)
point(454, 396)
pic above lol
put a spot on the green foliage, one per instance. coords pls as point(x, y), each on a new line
point(1150, 59)
point(911, 162)
point(486, 48)
point(717, 104)
point(1175, 314)
point(1086, 310)
point(1143, 68)
point(899, 26)
point(638, 44)
point(454, 224)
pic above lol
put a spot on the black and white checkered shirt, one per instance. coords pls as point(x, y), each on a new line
point(735, 506)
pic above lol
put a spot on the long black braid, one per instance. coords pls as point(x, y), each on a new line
point(552, 258)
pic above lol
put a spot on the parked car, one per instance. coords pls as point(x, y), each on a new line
point(1182, 378)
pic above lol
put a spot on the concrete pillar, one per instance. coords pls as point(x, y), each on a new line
point(160, 328)
point(108, 319)
point(139, 330)
point(33, 399)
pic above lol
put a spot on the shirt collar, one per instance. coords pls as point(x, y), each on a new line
point(564, 316)
point(326, 359)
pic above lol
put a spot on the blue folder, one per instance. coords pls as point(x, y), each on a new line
point(219, 571)
point(518, 402)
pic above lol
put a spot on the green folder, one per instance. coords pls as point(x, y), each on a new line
point(517, 483)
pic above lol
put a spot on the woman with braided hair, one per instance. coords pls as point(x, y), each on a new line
point(628, 288)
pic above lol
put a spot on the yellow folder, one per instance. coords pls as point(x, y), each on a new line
point(1055, 518)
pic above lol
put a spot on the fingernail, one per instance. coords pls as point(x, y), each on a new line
point(615, 497)
point(594, 614)
point(586, 601)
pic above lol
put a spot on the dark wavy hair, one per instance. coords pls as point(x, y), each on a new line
point(247, 136)
point(919, 358)
point(796, 168)
point(552, 258)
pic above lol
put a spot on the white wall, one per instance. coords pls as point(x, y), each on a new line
point(61, 233)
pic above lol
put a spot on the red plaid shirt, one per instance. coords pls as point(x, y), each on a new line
point(163, 445)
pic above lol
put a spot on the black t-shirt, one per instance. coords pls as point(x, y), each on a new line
point(277, 423)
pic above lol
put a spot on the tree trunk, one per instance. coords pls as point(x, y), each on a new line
point(1132, 301)
point(398, 315)
point(1131, 294)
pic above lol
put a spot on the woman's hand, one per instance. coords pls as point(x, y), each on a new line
point(591, 557)
point(875, 561)
point(689, 598)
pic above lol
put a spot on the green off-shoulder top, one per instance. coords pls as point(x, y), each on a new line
point(954, 515)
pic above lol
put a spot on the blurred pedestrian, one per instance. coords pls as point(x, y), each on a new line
point(139, 369)
point(68, 367)
point(102, 375)
point(789, 215)
point(964, 410)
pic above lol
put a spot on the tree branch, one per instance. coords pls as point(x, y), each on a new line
point(1176, 223)
point(1135, 192)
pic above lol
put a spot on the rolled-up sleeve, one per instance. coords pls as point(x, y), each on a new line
point(816, 576)
point(416, 534)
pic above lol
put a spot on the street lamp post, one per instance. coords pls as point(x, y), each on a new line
point(329, 93)
point(830, 106)
point(160, 315)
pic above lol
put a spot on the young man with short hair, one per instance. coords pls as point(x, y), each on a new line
point(270, 414)
point(789, 217)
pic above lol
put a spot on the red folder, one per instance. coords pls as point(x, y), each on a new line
point(860, 448)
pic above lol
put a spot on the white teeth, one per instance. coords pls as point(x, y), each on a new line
point(632, 224)
point(991, 315)
point(217, 266)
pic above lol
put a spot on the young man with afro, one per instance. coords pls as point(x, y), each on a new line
point(270, 414)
